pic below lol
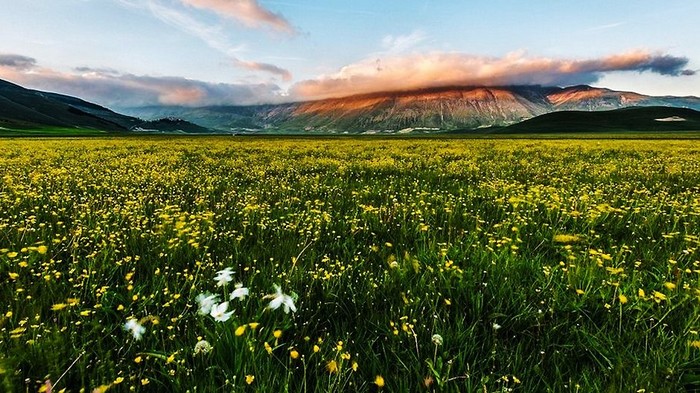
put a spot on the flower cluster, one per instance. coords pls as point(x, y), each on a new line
point(211, 304)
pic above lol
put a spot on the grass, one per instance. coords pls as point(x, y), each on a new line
point(542, 265)
point(49, 132)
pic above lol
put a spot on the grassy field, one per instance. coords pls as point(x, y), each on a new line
point(404, 265)
point(49, 132)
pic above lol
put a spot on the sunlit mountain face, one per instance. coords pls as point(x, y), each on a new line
point(427, 109)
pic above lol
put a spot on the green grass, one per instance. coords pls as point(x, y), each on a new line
point(49, 132)
point(383, 244)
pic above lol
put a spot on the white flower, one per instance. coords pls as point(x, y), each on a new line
point(202, 346)
point(136, 329)
point(239, 293)
point(496, 326)
point(206, 301)
point(218, 312)
point(437, 339)
point(280, 299)
point(224, 277)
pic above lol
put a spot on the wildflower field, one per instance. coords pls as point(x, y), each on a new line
point(329, 265)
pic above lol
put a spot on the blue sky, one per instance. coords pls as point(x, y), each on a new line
point(197, 52)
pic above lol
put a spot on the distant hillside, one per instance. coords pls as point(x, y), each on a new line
point(430, 109)
point(627, 119)
point(170, 125)
point(22, 108)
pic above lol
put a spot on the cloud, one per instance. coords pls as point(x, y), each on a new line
point(212, 35)
point(16, 61)
point(605, 27)
point(440, 69)
point(401, 43)
point(114, 89)
point(248, 12)
point(265, 67)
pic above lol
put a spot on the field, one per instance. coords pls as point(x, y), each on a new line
point(404, 265)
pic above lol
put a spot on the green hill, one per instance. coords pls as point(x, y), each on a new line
point(24, 108)
point(32, 112)
point(656, 118)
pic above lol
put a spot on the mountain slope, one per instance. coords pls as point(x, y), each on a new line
point(653, 118)
point(440, 108)
point(24, 108)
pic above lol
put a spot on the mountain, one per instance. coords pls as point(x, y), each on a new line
point(22, 108)
point(446, 108)
point(427, 110)
point(654, 118)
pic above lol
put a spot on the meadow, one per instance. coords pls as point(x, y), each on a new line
point(236, 264)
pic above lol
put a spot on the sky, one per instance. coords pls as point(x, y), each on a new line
point(125, 53)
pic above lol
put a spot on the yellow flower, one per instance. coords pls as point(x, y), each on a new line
point(254, 325)
point(268, 348)
point(42, 250)
point(658, 296)
point(170, 359)
point(316, 348)
point(622, 298)
point(379, 381)
point(294, 354)
point(355, 366)
point(566, 238)
point(240, 330)
point(145, 381)
point(694, 344)
point(670, 286)
point(277, 334)
point(101, 389)
point(59, 306)
point(641, 293)
point(345, 356)
point(332, 367)
point(118, 380)
point(580, 291)
point(138, 359)
point(13, 276)
point(249, 379)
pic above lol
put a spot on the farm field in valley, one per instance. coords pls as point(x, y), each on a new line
point(370, 265)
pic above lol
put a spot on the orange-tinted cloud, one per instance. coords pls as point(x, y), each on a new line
point(248, 12)
point(265, 67)
point(419, 71)
point(114, 89)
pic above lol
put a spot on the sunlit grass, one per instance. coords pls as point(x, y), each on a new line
point(447, 265)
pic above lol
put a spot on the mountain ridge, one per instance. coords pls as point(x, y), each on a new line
point(447, 108)
point(22, 108)
point(444, 108)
